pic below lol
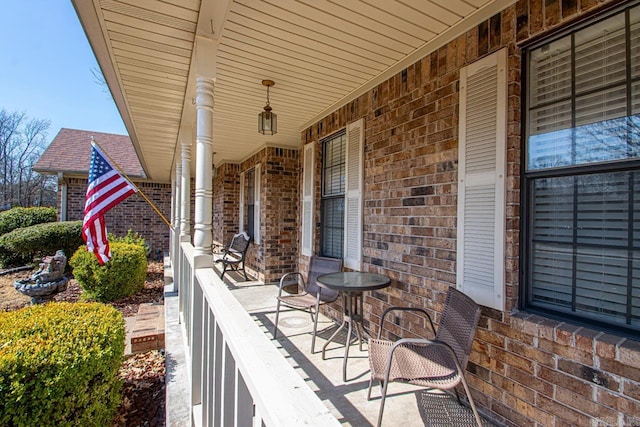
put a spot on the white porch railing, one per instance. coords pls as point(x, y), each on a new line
point(237, 375)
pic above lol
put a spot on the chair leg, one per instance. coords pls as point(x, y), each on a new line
point(471, 402)
point(245, 273)
point(224, 270)
point(384, 385)
point(315, 326)
point(275, 327)
point(370, 386)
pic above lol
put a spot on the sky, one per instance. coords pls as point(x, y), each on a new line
point(45, 68)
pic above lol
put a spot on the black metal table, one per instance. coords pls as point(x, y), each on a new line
point(351, 285)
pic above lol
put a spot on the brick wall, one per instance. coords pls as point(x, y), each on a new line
point(277, 251)
point(226, 203)
point(133, 213)
point(279, 201)
point(524, 370)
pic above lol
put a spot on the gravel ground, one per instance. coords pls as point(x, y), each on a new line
point(143, 374)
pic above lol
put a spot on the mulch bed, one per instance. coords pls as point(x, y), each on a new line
point(143, 374)
point(143, 391)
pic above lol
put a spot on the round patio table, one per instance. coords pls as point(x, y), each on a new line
point(351, 285)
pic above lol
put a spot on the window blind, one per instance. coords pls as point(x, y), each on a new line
point(585, 249)
point(578, 106)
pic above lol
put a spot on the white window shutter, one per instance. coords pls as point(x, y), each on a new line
point(307, 199)
point(481, 180)
point(256, 205)
point(241, 204)
point(353, 196)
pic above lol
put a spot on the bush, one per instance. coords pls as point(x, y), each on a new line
point(123, 275)
point(132, 237)
point(59, 364)
point(25, 217)
point(22, 245)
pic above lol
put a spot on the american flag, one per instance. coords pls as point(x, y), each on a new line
point(106, 189)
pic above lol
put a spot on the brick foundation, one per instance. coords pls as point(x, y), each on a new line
point(148, 328)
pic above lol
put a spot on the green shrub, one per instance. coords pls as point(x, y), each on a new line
point(121, 276)
point(59, 364)
point(132, 237)
point(25, 217)
point(22, 245)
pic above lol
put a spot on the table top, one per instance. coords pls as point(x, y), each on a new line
point(353, 281)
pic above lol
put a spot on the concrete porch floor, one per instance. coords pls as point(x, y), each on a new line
point(347, 401)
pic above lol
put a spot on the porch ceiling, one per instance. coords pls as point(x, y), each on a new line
point(320, 53)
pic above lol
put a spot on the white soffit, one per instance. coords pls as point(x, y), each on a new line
point(320, 53)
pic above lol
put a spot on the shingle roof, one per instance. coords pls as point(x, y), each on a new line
point(70, 152)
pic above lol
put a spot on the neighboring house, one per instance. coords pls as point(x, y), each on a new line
point(486, 145)
point(68, 157)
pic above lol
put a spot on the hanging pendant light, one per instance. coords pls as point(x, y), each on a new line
point(267, 121)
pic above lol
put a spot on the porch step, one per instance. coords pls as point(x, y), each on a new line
point(148, 328)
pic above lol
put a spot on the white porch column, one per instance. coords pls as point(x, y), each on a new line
point(177, 196)
point(202, 236)
point(185, 201)
point(175, 214)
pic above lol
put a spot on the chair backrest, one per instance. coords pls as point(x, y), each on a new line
point(458, 324)
point(318, 266)
point(239, 244)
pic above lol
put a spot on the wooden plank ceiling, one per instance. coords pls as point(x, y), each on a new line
point(320, 53)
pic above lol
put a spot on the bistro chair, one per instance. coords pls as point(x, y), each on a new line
point(310, 296)
point(439, 363)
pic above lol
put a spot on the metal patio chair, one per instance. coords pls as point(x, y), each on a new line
point(310, 295)
point(439, 363)
point(233, 256)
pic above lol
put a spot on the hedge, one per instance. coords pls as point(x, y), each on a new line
point(25, 217)
point(124, 274)
point(21, 246)
point(59, 364)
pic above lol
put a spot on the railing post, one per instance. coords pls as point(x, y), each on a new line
point(195, 332)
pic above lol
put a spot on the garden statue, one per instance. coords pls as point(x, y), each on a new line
point(47, 281)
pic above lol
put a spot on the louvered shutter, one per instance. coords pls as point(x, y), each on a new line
point(307, 199)
point(241, 204)
point(353, 196)
point(256, 205)
point(481, 180)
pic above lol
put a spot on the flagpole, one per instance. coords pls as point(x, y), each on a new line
point(144, 196)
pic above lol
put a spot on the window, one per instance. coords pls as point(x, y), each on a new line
point(250, 203)
point(582, 174)
point(333, 196)
point(340, 199)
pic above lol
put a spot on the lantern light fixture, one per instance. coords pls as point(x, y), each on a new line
point(267, 120)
